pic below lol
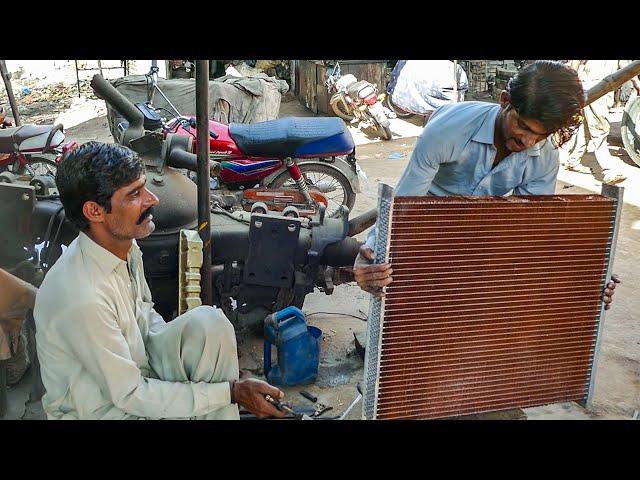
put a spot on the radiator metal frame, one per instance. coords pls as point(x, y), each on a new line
point(377, 305)
point(616, 194)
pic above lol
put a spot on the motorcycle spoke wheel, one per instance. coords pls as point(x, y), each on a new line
point(385, 132)
point(333, 184)
point(340, 110)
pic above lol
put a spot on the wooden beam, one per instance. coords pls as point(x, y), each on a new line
point(613, 81)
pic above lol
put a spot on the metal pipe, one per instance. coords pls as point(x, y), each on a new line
point(181, 159)
point(77, 77)
point(612, 82)
point(362, 222)
point(342, 253)
point(122, 104)
point(455, 81)
point(204, 209)
point(12, 99)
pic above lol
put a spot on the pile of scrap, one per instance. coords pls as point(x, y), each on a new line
point(41, 104)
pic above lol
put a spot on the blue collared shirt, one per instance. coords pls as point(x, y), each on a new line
point(454, 155)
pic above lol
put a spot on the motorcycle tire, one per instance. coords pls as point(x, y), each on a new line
point(337, 105)
point(313, 174)
point(384, 132)
point(630, 129)
point(39, 166)
point(400, 113)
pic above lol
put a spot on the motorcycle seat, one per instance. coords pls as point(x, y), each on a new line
point(354, 89)
point(13, 136)
point(293, 137)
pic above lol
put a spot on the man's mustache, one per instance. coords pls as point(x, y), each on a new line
point(145, 214)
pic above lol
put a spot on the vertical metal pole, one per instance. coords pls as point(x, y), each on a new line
point(12, 100)
point(77, 77)
point(100, 68)
point(455, 80)
point(616, 193)
point(204, 209)
point(154, 81)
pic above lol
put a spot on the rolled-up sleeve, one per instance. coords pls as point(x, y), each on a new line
point(97, 340)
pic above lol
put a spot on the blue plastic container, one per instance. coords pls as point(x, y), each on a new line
point(298, 348)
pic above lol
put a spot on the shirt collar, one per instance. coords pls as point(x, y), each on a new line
point(487, 129)
point(107, 261)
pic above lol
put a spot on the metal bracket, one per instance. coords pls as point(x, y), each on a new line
point(272, 245)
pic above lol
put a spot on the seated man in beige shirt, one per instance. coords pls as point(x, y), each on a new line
point(104, 351)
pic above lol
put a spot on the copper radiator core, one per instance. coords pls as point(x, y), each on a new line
point(495, 302)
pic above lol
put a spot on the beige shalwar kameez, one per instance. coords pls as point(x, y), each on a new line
point(105, 353)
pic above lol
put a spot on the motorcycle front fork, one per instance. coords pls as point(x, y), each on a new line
point(296, 175)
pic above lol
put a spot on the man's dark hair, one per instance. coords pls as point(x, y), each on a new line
point(93, 172)
point(551, 93)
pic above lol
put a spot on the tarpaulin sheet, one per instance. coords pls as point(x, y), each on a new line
point(231, 99)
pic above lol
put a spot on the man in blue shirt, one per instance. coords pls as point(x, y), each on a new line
point(477, 148)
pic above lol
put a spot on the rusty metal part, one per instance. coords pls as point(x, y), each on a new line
point(362, 222)
point(279, 199)
point(320, 409)
point(343, 275)
point(495, 303)
point(204, 194)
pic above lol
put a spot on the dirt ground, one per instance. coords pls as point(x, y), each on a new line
point(339, 316)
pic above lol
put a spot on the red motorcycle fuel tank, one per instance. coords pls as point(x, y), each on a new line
point(235, 166)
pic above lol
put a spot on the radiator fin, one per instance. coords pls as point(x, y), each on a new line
point(495, 303)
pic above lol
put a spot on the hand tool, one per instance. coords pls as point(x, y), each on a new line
point(283, 406)
point(320, 409)
point(308, 396)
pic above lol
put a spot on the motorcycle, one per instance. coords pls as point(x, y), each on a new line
point(249, 155)
point(354, 100)
point(32, 150)
point(262, 261)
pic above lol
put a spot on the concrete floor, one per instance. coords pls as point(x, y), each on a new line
point(617, 387)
